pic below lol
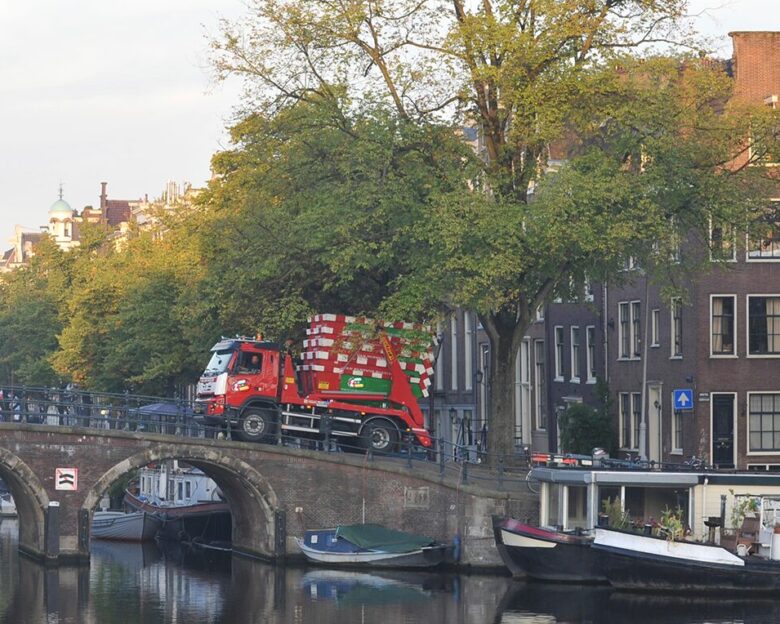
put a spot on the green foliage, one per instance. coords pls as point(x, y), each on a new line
point(743, 505)
point(618, 517)
point(671, 524)
point(644, 140)
point(584, 428)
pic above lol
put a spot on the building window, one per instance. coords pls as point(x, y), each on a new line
point(676, 336)
point(655, 328)
point(589, 292)
point(677, 420)
point(539, 387)
point(590, 346)
point(723, 243)
point(540, 312)
point(768, 246)
point(575, 355)
point(558, 353)
point(763, 325)
point(468, 352)
point(453, 353)
point(636, 334)
point(630, 336)
point(764, 420)
point(630, 415)
point(722, 325)
point(439, 367)
point(624, 329)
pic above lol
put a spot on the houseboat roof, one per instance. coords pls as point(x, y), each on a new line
point(650, 478)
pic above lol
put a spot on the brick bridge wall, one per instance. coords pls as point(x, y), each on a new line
point(275, 493)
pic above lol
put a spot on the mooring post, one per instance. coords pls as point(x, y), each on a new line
point(280, 533)
point(52, 531)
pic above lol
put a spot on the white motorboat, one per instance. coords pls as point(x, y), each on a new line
point(137, 526)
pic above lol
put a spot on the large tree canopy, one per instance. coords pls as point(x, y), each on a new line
point(588, 147)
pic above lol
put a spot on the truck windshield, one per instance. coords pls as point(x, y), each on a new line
point(219, 362)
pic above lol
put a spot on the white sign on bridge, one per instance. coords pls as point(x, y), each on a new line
point(66, 479)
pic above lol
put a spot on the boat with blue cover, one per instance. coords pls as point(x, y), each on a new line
point(370, 545)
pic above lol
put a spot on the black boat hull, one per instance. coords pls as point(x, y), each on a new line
point(546, 555)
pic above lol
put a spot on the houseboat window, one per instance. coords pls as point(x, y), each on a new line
point(180, 492)
point(577, 507)
point(188, 489)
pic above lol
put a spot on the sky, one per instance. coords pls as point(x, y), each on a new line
point(121, 92)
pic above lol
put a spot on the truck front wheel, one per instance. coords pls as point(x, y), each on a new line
point(256, 425)
point(380, 436)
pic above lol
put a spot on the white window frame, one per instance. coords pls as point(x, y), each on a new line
point(559, 347)
point(540, 313)
point(747, 246)
point(718, 355)
point(655, 327)
point(747, 424)
point(539, 386)
point(673, 329)
point(756, 356)
point(622, 332)
point(634, 431)
point(453, 352)
point(677, 417)
point(733, 246)
point(468, 352)
point(439, 368)
point(636, 330)
point(590, 354)
point(574, 358)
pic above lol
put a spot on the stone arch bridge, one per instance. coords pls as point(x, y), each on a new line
point(275, 493)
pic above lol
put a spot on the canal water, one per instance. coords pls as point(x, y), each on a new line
point(132, 583)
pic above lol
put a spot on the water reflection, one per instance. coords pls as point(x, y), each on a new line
point(129, 583)
point(538, 603)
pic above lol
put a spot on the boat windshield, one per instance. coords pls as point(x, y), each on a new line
point(219, 361)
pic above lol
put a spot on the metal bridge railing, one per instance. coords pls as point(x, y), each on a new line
point(176, 417)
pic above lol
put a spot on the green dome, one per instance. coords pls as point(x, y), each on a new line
point(60, 207)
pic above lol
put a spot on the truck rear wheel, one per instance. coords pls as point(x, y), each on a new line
point(256, 425)
point(380, 436)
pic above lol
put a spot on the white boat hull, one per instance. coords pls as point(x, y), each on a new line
point(415, 558)
point(137, 526)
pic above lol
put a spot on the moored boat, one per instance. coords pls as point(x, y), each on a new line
point(136, 526)
point(370, 545)
point(647, 563)
point(546, 554)
point(187, 502)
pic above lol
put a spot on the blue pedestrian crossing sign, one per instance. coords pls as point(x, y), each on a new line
point(683, 399)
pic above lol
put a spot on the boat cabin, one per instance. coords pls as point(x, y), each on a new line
point(575, 498)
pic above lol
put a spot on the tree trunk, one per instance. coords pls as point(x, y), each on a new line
point(505, 332)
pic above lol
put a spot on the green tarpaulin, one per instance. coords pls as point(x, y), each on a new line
point(376, 537)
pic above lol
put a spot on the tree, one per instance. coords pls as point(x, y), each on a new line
point(646, 140)
point(584, 428)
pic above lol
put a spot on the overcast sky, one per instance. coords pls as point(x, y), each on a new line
point(101, 90)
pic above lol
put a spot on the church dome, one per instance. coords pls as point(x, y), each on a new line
point(61, 207)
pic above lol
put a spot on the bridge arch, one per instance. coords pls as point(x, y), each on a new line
point(252, 500)
point(31, 500)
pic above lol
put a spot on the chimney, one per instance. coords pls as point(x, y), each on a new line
point(103, 196)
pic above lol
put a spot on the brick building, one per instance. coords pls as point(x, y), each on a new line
point(721, 340)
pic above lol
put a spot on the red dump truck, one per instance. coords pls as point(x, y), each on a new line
point(356, 380)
